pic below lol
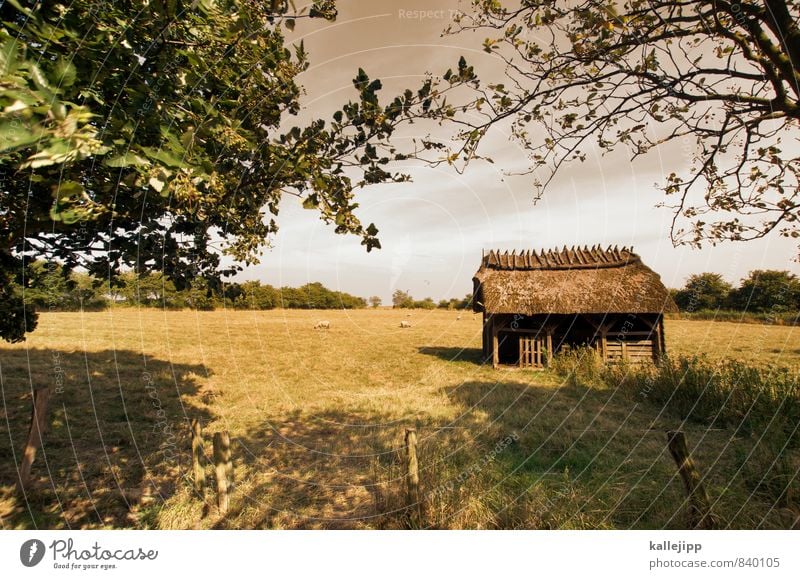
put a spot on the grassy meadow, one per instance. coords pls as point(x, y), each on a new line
point(317, 417)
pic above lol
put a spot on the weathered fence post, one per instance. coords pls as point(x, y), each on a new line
point(223, 468)
point(412, 471)
point(41, 402)
point(700, 515)
point(198, 457)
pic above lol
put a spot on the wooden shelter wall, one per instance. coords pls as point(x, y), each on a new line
point(631, 337)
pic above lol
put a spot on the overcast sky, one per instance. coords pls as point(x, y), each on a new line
point(433, 229)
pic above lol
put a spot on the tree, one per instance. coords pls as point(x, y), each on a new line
point(199, 295)
point(152, 289)
point(85, 293)
point(51, 286)
point(259, 297)
point(347, 301)
point(767, 291)
point(375, 301)
point(465, 303)
point(704, 291)
point(290, 297)
point(401, 299)
point(148, 139)
point(47, 286)
point(317, 296)
point(719, 77)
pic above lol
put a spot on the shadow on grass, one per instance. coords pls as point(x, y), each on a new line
point(454, 354)
point(319, 470)
point(502, 462)
point(117, 442)
point(608, 455)
point(514, 456)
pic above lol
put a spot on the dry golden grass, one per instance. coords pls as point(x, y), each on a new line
point(317, 417)
point(755, 344)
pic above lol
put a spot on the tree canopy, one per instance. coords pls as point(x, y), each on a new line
point(720, 80)
point(152, 139)
point(703, 291)
point(767, 291)
point(761, 292)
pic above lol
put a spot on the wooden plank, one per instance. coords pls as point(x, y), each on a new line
point(604, 344)
point(529, 352)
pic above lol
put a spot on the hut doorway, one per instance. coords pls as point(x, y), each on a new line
point(508, 348)
point(522, 349)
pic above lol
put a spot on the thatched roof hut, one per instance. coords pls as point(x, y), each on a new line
point(570, 281)
point(604, 298)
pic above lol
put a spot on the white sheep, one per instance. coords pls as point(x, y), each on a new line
point(323, 325)
point(405, 324)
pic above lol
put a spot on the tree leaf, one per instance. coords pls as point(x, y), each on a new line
point(64, 73)
point(164, 157)
point(8, 56)
point(126, 160)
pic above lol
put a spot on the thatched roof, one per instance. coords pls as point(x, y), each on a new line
point(569, 281)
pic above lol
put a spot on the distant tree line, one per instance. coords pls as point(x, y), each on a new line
point(50, 287)
point(762, 291)
point(258, 296)
point(403, 299)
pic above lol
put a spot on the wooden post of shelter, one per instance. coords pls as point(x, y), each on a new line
point(198, 457)
point(700, 515)
point(495, 345)
point(662, 345)
point(223, 468)
point(39, 413)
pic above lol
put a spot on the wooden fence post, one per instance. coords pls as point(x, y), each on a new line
point(700, 515)
point(223, 468)
point(39, 413)
point(198, 457)
point(412, 471)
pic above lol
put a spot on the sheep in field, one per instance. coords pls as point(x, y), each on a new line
point(323, 325)
point(405, 324)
